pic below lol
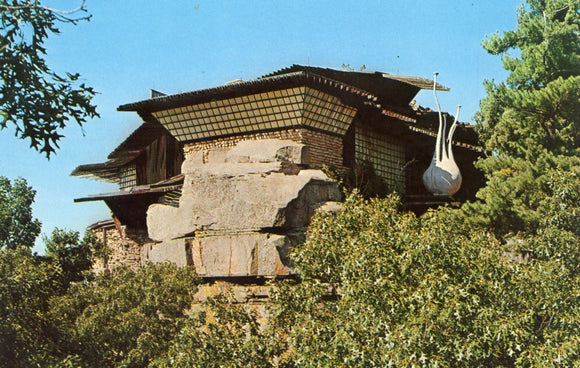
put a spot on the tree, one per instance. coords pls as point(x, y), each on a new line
point(38, 102)
point(382, 288)
point(27, 283)
point(122, 319)
point(224, 334)
point(72, 254)
point(531, 122)
point(17, 225)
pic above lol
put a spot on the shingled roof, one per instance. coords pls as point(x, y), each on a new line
point(385, 89)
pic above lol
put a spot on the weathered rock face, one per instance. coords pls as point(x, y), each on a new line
point(240, 210)
point(268, 150)
point(252, 201)
point(171, 250)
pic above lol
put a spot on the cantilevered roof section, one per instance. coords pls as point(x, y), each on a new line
point(359, 85)
point(126, 152)
point(398, 90)
point(108, 171)
point(293, 98)
point(130, 206)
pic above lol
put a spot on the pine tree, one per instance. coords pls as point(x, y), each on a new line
point(530, 124)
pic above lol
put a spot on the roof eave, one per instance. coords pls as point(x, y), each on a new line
point(169, 101)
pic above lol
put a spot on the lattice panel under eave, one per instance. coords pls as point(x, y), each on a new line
point(281, 109)
point(325, 112)
point(240, 115)
point(385, 153)
point(128, 177)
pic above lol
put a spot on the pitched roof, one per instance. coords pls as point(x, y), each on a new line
point(376, 82)
point(386, 89)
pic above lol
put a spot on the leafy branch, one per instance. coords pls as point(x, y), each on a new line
point(35, 100)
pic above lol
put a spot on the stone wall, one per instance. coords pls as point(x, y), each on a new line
point(122, 249)
point(228, 142)
point(241, 209)
point(244, 204)
point(323, 148)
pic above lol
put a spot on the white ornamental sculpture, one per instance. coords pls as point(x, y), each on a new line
point(443, 177)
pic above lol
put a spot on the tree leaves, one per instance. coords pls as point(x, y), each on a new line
point(429, 291)
point(530, 123)
point(36, 101)
point(17, 225)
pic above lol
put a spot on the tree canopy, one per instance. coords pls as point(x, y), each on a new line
point(17, 225)
point(530, 123)
point(36, 101)
point(493, 284)
point(73, 254)
point(122, 319)
point(426, 291)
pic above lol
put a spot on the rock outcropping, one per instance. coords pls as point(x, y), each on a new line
point(241, 210)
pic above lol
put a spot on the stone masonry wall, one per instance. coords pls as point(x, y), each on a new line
point(123, 250)
point(242, 209)
point(229, 142)
point(323, 148)
point(245, 202)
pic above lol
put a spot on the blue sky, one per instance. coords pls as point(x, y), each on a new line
point(132, 46)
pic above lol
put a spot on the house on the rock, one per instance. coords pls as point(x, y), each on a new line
point(226, 179)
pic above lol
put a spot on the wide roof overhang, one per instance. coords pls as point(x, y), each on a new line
point(130, 206)
point(301, 98)
point(359, 86)
point(108, 171)
point(126, 152)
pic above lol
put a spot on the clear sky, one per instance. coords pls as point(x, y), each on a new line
point(132, 46)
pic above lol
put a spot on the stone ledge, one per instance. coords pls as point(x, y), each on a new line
point(226, 255)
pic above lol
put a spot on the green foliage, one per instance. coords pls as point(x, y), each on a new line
point(547, 38)
point(384, 288)
point(223, 334)
point(73, 255)
point(27, 283)
point(531, 122)
point(38, 102)
point(17, 226)
point(122, 319)
point(362, 177)
point(378, 287)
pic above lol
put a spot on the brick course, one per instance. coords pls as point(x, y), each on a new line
point(323, 148)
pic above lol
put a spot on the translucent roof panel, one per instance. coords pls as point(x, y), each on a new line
point(272, 110)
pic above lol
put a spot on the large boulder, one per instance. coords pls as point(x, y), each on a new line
point(243, 254)
point(174, 251)
point(234, 254)
point(245, 202)
point(247, 198)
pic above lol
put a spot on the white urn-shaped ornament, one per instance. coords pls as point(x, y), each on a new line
point(443, 177)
